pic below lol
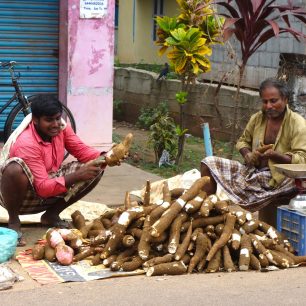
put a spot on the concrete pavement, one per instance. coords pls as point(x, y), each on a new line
point(116, 181)
point(283, 287)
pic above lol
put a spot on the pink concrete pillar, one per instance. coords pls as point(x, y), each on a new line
point(86, 71)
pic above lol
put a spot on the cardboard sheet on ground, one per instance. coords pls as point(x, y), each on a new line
point(45, 272)
point(90, 210)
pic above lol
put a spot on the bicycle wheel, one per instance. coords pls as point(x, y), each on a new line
point(18, 113)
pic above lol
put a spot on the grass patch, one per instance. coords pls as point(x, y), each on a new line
point(222, 149)
point(142, 156)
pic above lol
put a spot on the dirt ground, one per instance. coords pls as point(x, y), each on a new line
point(140, 148)
point(142, 155)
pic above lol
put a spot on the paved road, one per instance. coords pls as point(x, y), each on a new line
point(286, 287)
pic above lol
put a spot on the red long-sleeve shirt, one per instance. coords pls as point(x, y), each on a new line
point(46, 157)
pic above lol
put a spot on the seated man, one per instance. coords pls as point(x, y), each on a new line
point(274, 135)
point(32, 176)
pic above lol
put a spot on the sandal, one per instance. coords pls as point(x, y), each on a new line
point(21, 242)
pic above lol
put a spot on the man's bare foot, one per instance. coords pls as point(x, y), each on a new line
point(17, 227)
point(54, 221)
point(21, 240)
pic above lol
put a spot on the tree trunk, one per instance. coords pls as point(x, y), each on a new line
point(181, 139)
point(180, 149)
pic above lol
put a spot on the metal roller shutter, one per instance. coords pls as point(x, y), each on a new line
point(29, 35)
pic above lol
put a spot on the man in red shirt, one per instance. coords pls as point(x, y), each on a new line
point(33, 178)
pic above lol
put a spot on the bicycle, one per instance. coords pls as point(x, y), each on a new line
point(22, 108)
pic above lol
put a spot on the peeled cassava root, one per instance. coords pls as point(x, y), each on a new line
point(189, 232)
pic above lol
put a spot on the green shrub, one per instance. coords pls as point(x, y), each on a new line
point(117, 108)
point(149, 115)
point(163, 136)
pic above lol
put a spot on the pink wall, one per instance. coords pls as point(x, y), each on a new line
point(86, 71)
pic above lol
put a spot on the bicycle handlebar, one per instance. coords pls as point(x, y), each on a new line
point(9, 64)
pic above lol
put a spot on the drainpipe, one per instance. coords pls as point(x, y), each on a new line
point(207, 140)
point(134, 19)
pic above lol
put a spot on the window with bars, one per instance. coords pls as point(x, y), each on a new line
point(158, 10)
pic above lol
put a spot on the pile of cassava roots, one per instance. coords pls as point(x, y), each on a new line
point(185, 232)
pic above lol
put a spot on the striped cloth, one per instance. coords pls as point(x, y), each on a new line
point(33, 203)
point(246, 186)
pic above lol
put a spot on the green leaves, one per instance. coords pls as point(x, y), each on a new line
point(163, 136)
point(189, 51)
point(189, 36)
point(149, 115)
point(167, 24)
point(193, 12)
point(211, 27)
point(181, 97)
point(179, 131)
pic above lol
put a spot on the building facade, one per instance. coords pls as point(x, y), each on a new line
point(136, 42)
point(137, 29)
point(58, 51)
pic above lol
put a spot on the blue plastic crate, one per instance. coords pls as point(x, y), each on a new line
point(293, 225)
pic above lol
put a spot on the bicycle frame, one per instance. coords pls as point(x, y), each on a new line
point(23, 103)
point(9, 102)
point(18, 96)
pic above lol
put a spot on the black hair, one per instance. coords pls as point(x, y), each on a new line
point(278, 84)
point(45, 105)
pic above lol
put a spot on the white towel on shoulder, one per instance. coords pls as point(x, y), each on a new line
point(5, 153)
